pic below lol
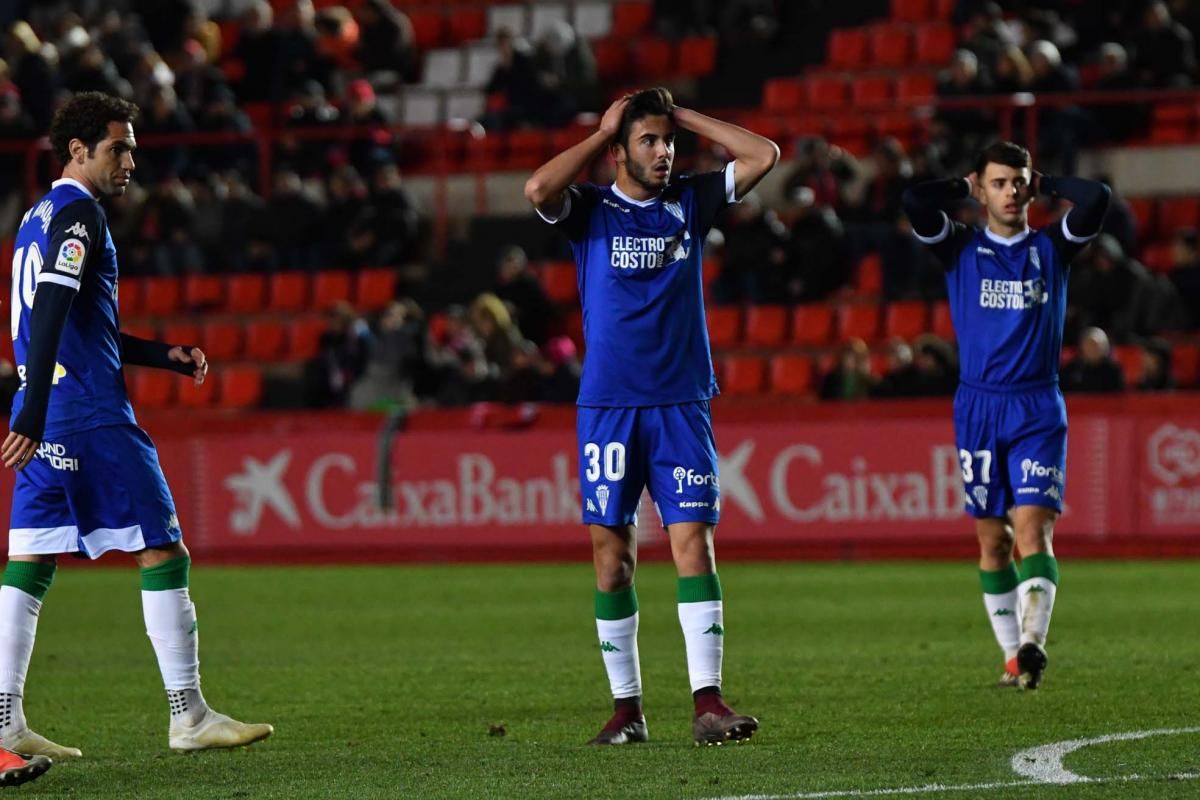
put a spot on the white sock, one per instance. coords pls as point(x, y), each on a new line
point(18, 627)
point(1037, 604)
point(704, 637)
point(618, 646)
point(1006, 624)
point(171, 625)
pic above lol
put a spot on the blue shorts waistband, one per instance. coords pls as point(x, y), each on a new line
point(1010, 388)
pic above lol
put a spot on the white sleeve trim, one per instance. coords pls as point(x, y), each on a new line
point(566, 210)
point(731, 183)
point(1070, 237)
point(942, 234)
point(61, 280)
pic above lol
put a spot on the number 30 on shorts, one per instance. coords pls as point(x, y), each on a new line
point(614, 461)
point(984, 457)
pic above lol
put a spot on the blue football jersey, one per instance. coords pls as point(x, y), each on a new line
point(1008, 300)
point(642, 289)
point(64, 239)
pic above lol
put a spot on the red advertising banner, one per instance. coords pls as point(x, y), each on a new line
point(834, 487)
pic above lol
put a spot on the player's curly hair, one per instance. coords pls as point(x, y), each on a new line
point(656, 102)
point(1009, 154)
point(85, 117)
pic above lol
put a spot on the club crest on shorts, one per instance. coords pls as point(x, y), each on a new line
point(602, 497)
point(980, 494)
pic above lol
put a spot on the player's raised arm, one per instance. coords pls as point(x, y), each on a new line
point(926, 202)
point(547, 187)
point(1090, 198)
point(754, 155)
point(184, 359)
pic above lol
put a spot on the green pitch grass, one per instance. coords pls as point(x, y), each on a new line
point(485, 682)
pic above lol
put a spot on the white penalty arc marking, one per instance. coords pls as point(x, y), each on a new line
point(1040, 766)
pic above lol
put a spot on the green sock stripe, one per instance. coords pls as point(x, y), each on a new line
point(168, 575)
point(1040, 565)
point(700, 588)
point(31, 577)
point(1001, 581)
point(616, 605)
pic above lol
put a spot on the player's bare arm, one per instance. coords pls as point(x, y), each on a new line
point(546, 188)
point(754, 155)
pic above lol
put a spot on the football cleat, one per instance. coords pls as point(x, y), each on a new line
point(711, 728)
point(1031, 663)
point(1011, 676)
point(28, 743)
point(622, 730)
point(15, 770)
point(215, 731)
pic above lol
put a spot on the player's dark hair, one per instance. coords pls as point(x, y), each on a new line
point(656, 102)
point(1009, 154)
point(85, 117)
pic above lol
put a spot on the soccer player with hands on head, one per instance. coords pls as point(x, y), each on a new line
point(1008, 297)
point(643, 419)
point(88, 478)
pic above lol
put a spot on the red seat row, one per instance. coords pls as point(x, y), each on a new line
point(235, 386)
point(891, 46)
point(224, 340)
point(283, 292)
point(821, 325)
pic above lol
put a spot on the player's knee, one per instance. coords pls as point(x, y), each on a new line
point(997, 540)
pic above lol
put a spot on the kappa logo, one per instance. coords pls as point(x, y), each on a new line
point(980, 494)
point(1053, 493)
point(1035, 259)
point(173, 522)
point(602, 497)
point(591, 507)
point(258, 486)
point(617, 206)
point(985, 251)
point(79, 230)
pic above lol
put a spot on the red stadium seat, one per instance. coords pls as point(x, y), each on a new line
point(129, 296)
point(812, 325)
point(868, 278)
point(943, 323)
point(374, 288)
point(907, 319)
point(858, 321)
point(239, 387)
point(697, 56)
point(872, 90)
point(944, 9)
point(791, 374)
point(850, 133)
point(828, 92)
point(935, 44)
point(221, 340)
point(189, 395)
point(766, 326)
point(916, 86)
point(429, 28)
point(652, 57)
point(486, 153)
point(848, 48)
point(330, 288)
point(152, 388)
point(559, 282)
point(1159, 257)
point(467, 24)
point(304, 338)
point(245, 294)
point(912, 10)
point(1130, 359)
point(743, 375)
point(1143, 212)
point(288, 292)
point(724, 325)
point(142, 330)
point(1171, 123)
point(185, 333)
point(630, 19)
point(891, 46)
point(527, 149)
point(265, 340)
point(202, 292)
point(710, 269)
point(161, 296)
point(1177, 212)
point(783, 94)
point(574, 325)
point(1185, 364)
point(612, 58)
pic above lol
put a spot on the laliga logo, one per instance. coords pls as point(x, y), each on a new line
point(693, 478)
point(1031, 467)
point(1174, 453)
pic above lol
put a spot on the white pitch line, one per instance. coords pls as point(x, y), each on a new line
point(1044, 764)
point(1041, 766)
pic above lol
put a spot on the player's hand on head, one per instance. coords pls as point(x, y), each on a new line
point(18, 450)
point(193, 355)
point(610, 123)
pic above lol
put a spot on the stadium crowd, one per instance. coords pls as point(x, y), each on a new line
point(344, 204)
